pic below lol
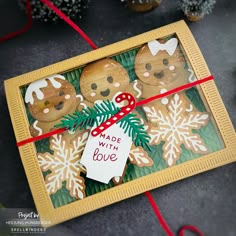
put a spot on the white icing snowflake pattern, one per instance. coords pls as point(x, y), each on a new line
point(64, 165)
point(138, 156)
point(174, 127)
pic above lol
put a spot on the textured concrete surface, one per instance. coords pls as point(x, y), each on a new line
point(206, 200)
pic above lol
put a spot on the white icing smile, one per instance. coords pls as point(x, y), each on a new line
point(67, 96)
point(46, 110)
point(146, 74)
point(117, 85)
point(93, 94)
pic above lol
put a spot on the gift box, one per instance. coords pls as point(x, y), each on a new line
point(177, 127)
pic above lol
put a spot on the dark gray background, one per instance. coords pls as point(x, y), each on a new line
point(207, 200)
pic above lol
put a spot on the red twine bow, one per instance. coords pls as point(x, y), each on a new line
point(89, 41)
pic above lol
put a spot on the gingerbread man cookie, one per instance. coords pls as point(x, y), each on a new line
point(48, 101)
point(102, 79)
point(161, 67)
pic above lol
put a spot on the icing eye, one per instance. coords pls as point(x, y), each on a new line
point(94, 86)
point(148, 66)
point(110, 79)
point(46, 103)
point(165, 62)
point(61, 93)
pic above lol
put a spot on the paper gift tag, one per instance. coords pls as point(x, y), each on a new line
point(105, 156)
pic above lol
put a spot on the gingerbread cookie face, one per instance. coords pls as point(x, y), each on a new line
point(160, 64)
point(102, 79)
point(51, 98)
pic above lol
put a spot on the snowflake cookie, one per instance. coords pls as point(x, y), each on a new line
point(64, 164)
point(174, 126)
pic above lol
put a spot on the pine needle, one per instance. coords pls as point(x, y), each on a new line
point(86, 118)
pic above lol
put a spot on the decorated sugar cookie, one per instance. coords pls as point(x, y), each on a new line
point(48, 101)
point(139, 157)
point(175, 127)
point(64, 164)
point(160, 66)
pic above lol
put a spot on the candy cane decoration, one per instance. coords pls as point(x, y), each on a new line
point(119, 115)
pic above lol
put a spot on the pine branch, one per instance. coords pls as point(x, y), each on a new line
point(133, 127)
point(88, 116)
point(102, 112)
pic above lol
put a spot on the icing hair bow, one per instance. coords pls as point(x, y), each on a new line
point(170, 46)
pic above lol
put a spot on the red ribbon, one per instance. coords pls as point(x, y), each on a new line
point(89, 41)
point(69, 22)
point(140, 103)
point(25, 28)
point(40, 137)
point(163, 222)
point(58, 12)
point(175, 90)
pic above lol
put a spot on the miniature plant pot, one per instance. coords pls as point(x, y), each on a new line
point(147, 5)
point(194, 17)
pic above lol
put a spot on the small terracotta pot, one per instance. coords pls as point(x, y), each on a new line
point(135, 5)
point(194, 17)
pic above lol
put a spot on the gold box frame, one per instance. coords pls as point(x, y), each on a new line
point(28, 152)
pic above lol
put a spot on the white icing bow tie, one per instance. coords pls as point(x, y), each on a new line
point(170, 46)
